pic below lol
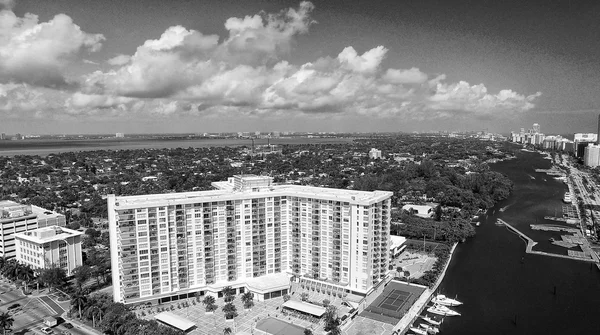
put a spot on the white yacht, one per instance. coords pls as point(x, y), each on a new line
point(567, 197)
point(444, 300)
point(442, 310)
point(419, 331)
point(429, 328)
point(430, 320)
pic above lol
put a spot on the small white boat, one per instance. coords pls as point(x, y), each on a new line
point(430, 320)
point(444, 300)
point(430, 329)
point(419, 331)
point(442, 310)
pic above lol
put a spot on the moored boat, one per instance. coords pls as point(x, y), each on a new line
point(567, 197)
point(430, 320)
point(444, 300)
point(430, 329)
point(442, 310)
point(418, 331)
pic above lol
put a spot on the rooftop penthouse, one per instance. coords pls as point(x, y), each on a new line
point(48, 234)
point(11, 211)
point(252, 186)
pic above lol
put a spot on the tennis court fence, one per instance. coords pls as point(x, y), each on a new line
point(383, 311)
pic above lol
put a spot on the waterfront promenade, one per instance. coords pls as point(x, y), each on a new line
point(419, 305)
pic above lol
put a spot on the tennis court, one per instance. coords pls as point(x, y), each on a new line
point(395, 300)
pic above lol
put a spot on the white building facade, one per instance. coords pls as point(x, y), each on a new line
point(50, 246)
point(18, 218)
point(249, 234)
point(375, 153)
point(591, 156)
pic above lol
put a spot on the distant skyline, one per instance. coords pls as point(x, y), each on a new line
point(148, 66)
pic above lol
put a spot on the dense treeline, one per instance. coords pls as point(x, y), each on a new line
point(448, 232)
point(116, 318)
point(449, 187)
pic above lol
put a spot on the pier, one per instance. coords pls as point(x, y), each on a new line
point(531, 243)
point(554, 228)
point(551, 172)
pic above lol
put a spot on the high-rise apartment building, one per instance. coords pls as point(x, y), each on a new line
point(17, 218)
point(536, 128)
point(249, 234)
point(598, 131)
point(591, 156)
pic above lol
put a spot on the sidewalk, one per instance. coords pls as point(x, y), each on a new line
point(78, 324)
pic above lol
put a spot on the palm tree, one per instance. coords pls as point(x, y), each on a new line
point(27, 275)
point(79, 298)
point(2, 264)
point(229, 293)
point(229, 310)
point(92, 312)
point(11, 269)
point(247, 299)
point(227, 331)
point(307, 331)
point(6, 322)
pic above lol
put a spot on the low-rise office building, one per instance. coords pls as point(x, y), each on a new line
point(50, 246)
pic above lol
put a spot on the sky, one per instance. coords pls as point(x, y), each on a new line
point(83, 66)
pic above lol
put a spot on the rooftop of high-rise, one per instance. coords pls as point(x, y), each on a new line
point(252, 186)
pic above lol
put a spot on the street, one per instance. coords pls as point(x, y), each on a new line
point(31, 312)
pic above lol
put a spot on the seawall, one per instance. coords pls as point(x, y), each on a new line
point(419, 305)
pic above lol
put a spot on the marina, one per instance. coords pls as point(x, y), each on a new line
point(500, 283)
point(575, 255)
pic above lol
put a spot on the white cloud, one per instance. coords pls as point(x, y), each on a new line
point(7, 4)
point(410, 76)
point(183, 58)
point(119, 60)
point(185, 72)
point(37, 53)
point(367, 63)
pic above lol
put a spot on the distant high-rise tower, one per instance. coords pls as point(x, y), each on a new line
point(536, 128)
point(598, 133)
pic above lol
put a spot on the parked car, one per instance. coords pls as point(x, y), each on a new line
point(13, 306)
point(65, 332)
point(47, 330)
point(68, 325)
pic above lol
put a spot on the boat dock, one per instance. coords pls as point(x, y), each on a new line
point(553, 228)
point(531, 243)
point(551, 172)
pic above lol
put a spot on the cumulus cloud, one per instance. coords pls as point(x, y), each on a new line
point(119, 60)
point(182, 58)
point(366, 63)
point(37, 53)
point(186, 72)
point(410, 76)
point(7, 4)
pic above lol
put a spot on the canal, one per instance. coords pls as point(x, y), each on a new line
point(505, 290)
